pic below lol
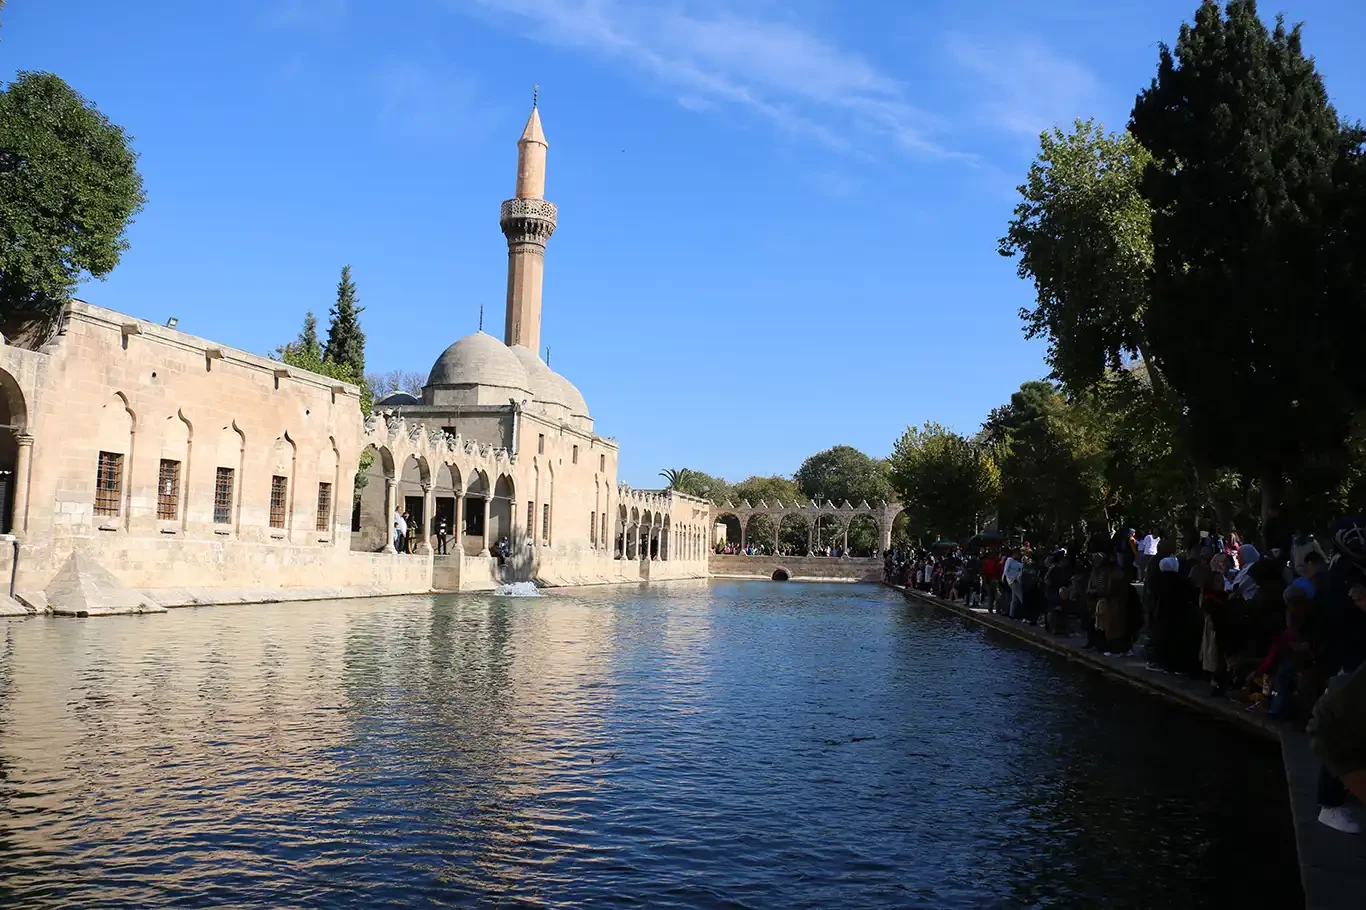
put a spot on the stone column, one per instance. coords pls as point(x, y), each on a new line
point(428, 518)
point(777, 532)
point(22, 466)
point(844, 547)
point(389, 487)
point(811, 537)
point(455, 544)
point(485, 506)
point(742, 535)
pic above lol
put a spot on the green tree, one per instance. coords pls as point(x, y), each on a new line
point(69, 188)
point(841, 473)
point(308, 338)
point(676, 477)
point(772, 490)
point(948, 484)
point(345, 340)
point(1051, 456)
point(1250, 168)
point(1083, 236)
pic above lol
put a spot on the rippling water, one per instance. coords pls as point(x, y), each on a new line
point(723, 745)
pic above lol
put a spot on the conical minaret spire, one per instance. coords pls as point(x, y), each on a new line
point(527, 221)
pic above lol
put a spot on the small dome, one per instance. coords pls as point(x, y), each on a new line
point(479, 359)
point(395, 399)
point(571, 396)
point(544, 387)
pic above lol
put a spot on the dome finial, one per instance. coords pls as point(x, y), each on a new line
point(535, 94)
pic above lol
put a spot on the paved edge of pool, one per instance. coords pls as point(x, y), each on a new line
point(1332, 865)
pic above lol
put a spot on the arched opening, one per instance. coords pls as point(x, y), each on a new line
point(901, 531)
point(500, 514)
point(794, 536)
point(619, 534)
point(412, 501)
point(372, 519)
point(114, 459)
point(446, 520)
point(280, 506)
point(829, 537)
point(14, 420)
point(633, 535)
point(666, 539)
point(863, 536)
point(477, 514)
point(759, 535)
point(727, 531)
point(781, 574)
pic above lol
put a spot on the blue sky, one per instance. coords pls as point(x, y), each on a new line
point(778, 218)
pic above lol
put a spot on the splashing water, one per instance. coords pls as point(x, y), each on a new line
point(517, 589)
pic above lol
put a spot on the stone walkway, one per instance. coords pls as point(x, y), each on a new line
point(1332, 865)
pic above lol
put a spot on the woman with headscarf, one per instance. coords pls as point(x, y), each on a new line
point(1243, 583)
point(1214, 606)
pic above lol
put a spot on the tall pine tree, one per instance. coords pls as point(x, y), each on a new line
point(308, 338)
point(1243, 320)
point(345, 340)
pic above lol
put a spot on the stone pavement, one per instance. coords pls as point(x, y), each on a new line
point(1332, 864)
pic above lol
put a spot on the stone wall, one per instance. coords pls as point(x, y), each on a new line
point(809, 568)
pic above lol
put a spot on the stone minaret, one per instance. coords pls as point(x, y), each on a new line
point(527, 221)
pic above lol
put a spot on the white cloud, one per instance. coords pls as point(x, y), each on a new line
point(712, 59)
point(1025, 88)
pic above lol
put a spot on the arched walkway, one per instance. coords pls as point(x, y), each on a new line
point(16, 451)
point(372, 517)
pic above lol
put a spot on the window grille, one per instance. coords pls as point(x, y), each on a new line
point(109, 484)
point(279, 486)
point(222, 496)
point(168, 490)
point(324, 506)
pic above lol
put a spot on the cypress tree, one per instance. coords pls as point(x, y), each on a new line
point(345, 340)
point(308, 338)
point(1244, 320)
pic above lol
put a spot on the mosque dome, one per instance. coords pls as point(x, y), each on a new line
point(482, 365)
point(545, 388)
point(396, 399)
point(571, 395)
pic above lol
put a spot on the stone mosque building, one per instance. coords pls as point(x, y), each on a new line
point(143, 468)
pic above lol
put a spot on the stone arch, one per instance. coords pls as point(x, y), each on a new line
point(448, 490)
point(666, 539)
point(329, 472)
point(478, 492)
point(864, 535)
point(14, 465)
point(733, 525)
point(619, 533)
point(228, 454)
point(372, 515)
point(173, 467)
point(501, 515)
point(794, 534)
point(759, 532)
point(829, 533)
point(280, 494)
point(114, 442)
point(781, 574)
point(413, 481)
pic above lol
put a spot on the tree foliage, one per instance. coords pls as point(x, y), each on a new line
point(843, 473)
point(1256, 314)
point(772, 490)
point(1083, 236)
point(69, 188)
point(308, 356)
point(948, 484)
point(345, 340)
point(397, 381)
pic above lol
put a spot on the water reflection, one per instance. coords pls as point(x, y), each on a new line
point(734, 744)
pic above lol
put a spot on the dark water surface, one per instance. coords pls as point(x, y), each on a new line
point(731, 745)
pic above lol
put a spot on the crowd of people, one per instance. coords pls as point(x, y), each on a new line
point(1274, 627)
point(750, 549)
